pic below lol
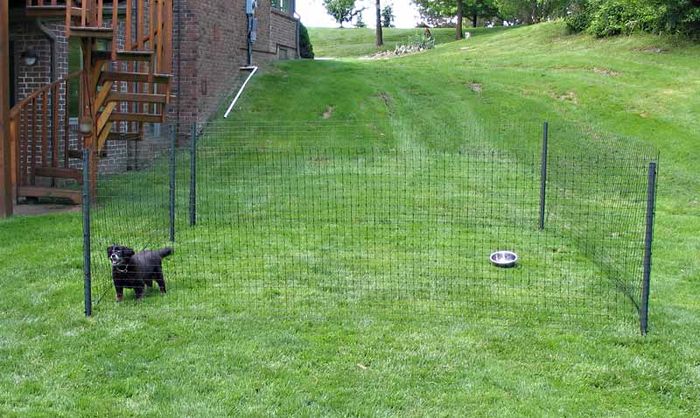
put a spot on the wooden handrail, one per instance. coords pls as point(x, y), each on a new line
point(15, 109)
point(41, 133)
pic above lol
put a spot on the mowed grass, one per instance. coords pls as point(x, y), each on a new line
point(353, 227)
point(204, 353)
point(356, 42)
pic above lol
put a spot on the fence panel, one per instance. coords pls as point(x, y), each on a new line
point(340, 220)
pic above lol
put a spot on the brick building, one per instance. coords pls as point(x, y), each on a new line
point(213, 40)
point(207, 43)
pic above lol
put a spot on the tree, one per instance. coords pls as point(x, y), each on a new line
point(460, 14)
point(360, 23)
point(445, 12)
point(378, 30)
point(342, 10)
point(388, 16)
point(485, 9)
point(531, 11)
point(438, 13)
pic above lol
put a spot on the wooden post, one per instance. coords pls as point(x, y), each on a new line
point(88, 88)
point(6, 185)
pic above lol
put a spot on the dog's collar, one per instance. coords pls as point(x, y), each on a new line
point(125, 268)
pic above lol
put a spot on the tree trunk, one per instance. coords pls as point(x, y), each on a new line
point(380, 38)
point(460, 14)
point(475, 18)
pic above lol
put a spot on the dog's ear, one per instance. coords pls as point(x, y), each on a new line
point(127, 252)
point(110, 250)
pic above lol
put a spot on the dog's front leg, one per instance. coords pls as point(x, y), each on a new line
point(120, 293)
point(140, 290)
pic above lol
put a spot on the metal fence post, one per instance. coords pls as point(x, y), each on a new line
point(86, 232)
point(648, 237)
point(543, 173)
point(173, 144)
point(193, 175)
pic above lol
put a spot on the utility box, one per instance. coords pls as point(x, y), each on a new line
point(250, 6)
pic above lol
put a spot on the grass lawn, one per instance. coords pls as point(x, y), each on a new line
point(203, 351)
point(355, 42)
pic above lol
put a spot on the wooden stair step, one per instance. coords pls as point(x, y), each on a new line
point(91, 32)
point(134, 77)
point(136, 117)
point(123, 55)
point(137, 97)
point(59, 172)
point(35, 191)
point(124, 136)
point(49, 10)
point(79, 154)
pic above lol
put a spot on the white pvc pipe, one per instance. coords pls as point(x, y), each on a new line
point(240, 91)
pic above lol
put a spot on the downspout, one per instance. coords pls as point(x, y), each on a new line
point(52, 41)
point(240, 91)
point(298, 18)
point(298, 22)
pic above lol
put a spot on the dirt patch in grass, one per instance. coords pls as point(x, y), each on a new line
point(652, 50)
point(386, 98)
point(475, 87)
point(328, 112)
point(32, 209)
point(569, 96)
point(605, 72)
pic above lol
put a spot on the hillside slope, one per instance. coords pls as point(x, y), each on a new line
point(642, 89)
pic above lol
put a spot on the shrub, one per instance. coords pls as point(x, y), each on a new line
point(578, 16)
point(616, 17)
point(683, 16)
point(306, 50)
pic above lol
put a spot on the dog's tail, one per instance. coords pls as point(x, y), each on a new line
point(164, 252)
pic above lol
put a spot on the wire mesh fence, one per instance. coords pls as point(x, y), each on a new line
point(398, 220)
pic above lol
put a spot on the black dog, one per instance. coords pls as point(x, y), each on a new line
point(136, 270)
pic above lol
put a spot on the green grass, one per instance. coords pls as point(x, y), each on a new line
point(355, 42)
point(205, 352)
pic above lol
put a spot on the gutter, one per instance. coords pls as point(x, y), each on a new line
point(240, 91)
point(52, 41)
point(297, 16)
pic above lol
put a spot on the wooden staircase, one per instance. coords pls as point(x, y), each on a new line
point(124, 83)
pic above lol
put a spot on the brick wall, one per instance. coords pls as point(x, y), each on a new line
point(283, 34)
point(213, 46)
point(212, 36)
point(27, 35)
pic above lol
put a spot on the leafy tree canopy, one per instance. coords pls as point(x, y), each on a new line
point(388, 16)
point(341, 10)
point(442, 12)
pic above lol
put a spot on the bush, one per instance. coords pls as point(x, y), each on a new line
point(578, 17)
point(683, 16)
point(421, 41)
point(618, 17)
point(615, 17)
point(306, 50)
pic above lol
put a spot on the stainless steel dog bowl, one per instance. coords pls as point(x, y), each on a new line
point(503, 258)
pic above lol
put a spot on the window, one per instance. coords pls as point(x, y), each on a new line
point(285, 6)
